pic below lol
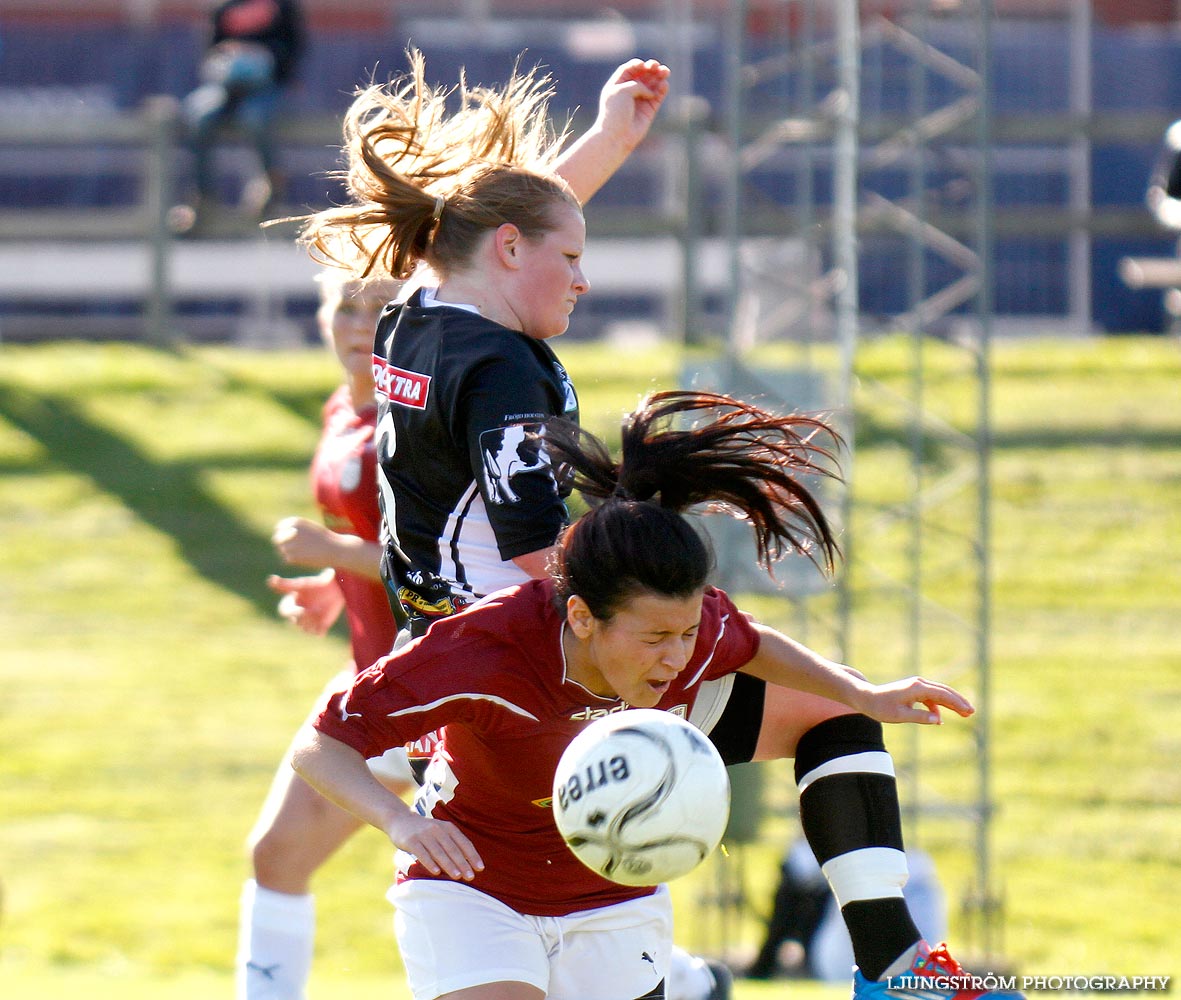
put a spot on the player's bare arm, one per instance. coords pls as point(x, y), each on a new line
point(628, 104)
point(536, 564)
point(312, 603)
point(302, 542)
point(340, 774)
point(783, 661)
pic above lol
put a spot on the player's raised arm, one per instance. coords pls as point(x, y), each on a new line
point(783, 661)
point(628, 105)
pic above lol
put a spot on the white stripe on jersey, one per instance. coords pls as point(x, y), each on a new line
point(496, 700)
point(468, 552)
point(449, 565)
point(709, 659)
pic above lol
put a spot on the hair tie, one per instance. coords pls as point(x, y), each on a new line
point(622, 493)
point(438, 212)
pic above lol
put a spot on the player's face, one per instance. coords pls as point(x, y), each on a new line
point(551, 278)
point(348, 319)
point(639, 652)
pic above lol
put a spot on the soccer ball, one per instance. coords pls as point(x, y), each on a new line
point(641, 796)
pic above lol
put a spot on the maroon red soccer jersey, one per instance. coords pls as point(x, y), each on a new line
point(493, 678)
point(344, 480)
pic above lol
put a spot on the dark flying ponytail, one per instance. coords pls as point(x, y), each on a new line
point(741, 459)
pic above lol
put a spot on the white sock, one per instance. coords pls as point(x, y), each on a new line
point(276, 932)
point(689, 978)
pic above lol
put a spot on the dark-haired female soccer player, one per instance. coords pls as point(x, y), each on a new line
point(491, 905)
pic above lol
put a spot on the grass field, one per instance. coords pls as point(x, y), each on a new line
point(147, 689)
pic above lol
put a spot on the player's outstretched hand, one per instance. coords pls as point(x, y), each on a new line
point(438, 845)
point(303, 543)
point(631, 98)
point(915, 699)
point(313, 603)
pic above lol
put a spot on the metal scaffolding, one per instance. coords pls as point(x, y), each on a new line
point(930, 160)
point(856, 137)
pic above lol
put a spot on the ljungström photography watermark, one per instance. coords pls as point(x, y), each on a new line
point(1036, 984)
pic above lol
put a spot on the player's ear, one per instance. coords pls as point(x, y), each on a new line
point(579, 617)
point(507, 240)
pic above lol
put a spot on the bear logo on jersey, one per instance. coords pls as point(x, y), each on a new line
point(509, 452)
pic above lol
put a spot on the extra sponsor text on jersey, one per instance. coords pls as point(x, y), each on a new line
point(400, 386)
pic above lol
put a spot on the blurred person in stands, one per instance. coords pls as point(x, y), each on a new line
point(806, 933)
point(1164, 186)
point(254, 48)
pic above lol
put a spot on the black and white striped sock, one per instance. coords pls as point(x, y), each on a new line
point(850, 817)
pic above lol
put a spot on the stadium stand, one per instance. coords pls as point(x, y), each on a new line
point(78, 79)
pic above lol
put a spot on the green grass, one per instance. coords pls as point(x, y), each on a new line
point(147, 689)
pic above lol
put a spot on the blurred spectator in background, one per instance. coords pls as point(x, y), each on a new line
point(252, 55)
point(1164, 188)
point(800, 901)
point(806, 935)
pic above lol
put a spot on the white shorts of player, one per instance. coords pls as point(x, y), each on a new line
point(452, 937)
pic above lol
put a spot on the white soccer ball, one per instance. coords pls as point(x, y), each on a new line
point(641, 796)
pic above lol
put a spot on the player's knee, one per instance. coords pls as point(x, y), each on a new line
point(273, 852)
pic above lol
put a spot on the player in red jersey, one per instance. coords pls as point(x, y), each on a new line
point(344, 482)
point(297, 829)
point(490, 903)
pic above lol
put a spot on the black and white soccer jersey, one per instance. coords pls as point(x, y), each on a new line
point(464, 479)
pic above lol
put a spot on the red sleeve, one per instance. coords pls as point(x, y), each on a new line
point(419, 690)
point(737, 641)
point(392, 703)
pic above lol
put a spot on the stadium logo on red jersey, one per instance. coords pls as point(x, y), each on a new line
point(400, 386)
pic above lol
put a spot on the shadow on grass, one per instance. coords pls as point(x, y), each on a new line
point(1113, 438)
point(306, 404)
point(167, 496)
point(873, 432)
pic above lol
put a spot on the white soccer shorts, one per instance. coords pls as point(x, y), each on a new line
point(452, 937)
